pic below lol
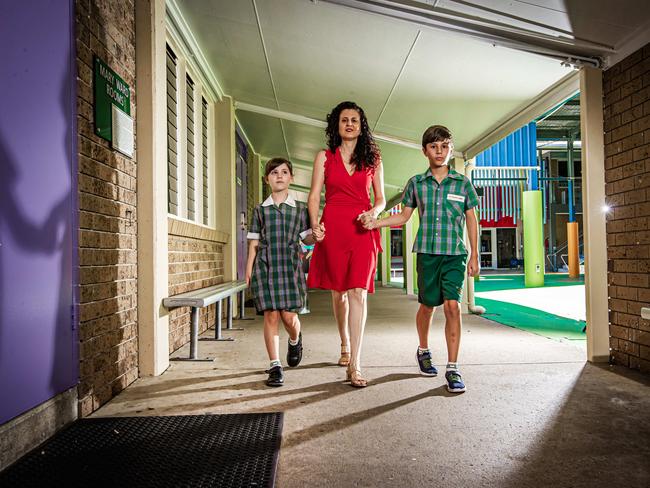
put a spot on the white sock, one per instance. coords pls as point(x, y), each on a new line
point(452, 366)
point(422, 351)
point(294, 343)
point(276, 362)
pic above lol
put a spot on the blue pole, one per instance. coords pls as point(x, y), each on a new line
point(569, 162)
point(572, 213)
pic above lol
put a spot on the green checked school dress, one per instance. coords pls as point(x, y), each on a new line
point(278, 280)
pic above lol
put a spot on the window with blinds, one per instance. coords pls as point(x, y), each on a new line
point(204, 147)
point(172, 134)
point(189, 163)
point(189, 98)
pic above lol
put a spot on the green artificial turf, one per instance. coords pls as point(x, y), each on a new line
point(532, 320)
point(514, 282)
point(526, 318)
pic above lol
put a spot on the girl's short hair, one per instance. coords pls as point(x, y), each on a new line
point(436, 133)
point(271, 164)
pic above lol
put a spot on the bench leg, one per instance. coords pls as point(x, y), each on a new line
point(217, 322)
point(194, 333)
point(217, 326)
point(194, 338)
point(229, 314)
point(242, 311)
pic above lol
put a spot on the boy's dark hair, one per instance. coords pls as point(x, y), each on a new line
point(436, 133)
point(271, 164)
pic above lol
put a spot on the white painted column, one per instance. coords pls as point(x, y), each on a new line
point(468, 304)
point(226, 190)
point(151, 130)
point(593, 200)
point(458, 164)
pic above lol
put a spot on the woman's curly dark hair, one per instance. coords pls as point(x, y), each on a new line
point(366, 153)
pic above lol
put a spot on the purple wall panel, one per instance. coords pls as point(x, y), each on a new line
point(241, 167)
point(38, 343)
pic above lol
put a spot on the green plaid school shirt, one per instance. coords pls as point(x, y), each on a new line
point(442, 208)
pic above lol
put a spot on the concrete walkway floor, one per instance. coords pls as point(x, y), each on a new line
point(535, 413)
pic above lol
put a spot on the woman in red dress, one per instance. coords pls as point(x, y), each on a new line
point(346, 260)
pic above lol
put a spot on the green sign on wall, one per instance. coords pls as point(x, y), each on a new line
point(110, 90)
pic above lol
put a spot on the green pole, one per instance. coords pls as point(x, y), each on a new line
point(533, 239)
point(415, 223)
point(386, 260)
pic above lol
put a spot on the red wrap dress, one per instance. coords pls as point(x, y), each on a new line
point(347, 257)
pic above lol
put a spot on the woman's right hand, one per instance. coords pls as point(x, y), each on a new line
point(248, 277)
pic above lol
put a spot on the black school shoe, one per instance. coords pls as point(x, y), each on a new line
point(294, 353)
point(276, 376)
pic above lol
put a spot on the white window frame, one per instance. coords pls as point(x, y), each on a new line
point(185, 67)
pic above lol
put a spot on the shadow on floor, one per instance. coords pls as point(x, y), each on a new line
point(599, 437)
point(320, 392)
point(346, 421)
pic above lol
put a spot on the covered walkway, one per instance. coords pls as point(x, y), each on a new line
point(133, 138)
point(535, 413)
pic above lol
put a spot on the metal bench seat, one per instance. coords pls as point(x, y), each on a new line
point(203, 297)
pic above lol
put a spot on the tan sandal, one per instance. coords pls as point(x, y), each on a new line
point(355, 378)
point(344, 360)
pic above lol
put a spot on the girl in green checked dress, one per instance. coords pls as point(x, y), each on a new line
point(274, 269)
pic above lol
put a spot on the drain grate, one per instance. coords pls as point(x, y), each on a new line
point(223, 451)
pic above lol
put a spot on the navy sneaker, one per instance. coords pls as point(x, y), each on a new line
point(426, 365)
point(294, 353)
point(276, 376)
point(454, 382)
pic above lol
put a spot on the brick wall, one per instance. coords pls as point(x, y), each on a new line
point(107, 214)
point(194, 263)
point(626, 88)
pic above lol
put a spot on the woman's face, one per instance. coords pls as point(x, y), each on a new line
point(349, 124)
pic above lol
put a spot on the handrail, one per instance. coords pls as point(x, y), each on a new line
point(553, 262)
point(580, 260)
point(566, 246)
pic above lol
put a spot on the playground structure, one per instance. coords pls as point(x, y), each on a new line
point(530, 214)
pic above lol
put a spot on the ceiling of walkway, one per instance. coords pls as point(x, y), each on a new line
point(303, 57)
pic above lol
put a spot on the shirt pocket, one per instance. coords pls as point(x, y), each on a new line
point(454, 208)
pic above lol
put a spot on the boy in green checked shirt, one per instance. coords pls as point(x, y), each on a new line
point(445, 201)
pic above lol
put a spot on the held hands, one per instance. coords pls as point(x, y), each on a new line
point(318, 232)
point(368, 220)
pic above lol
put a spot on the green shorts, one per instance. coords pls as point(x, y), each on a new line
point(440, 278)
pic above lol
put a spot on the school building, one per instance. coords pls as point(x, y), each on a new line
point(133, 137)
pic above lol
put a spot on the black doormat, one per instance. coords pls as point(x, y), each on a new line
point(179, 451)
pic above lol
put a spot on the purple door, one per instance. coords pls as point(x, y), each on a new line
point(242, 206)
point(38, 351)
